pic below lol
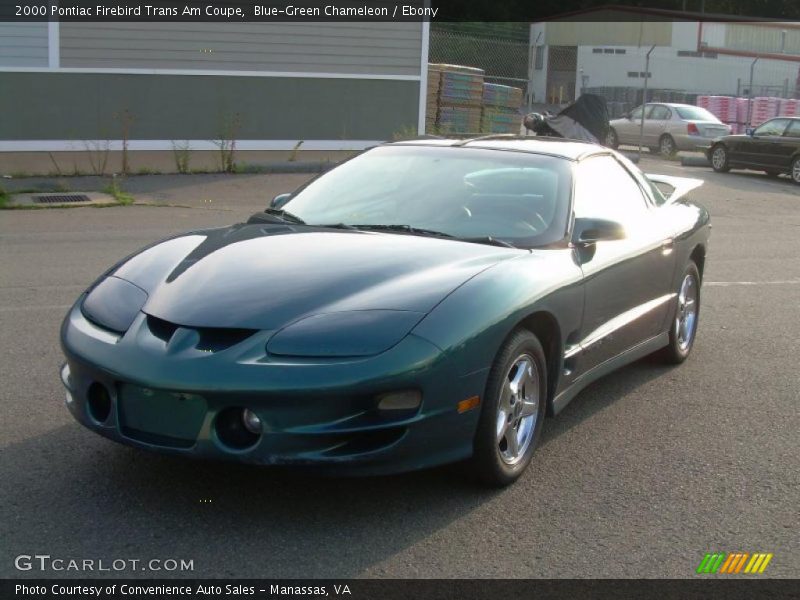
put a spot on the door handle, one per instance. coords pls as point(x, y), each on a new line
point(667, 246)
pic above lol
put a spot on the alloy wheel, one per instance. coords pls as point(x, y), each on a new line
point(518, 409)
point(719, 157)
point(686, 316)
point(667, 146)
point(796, 170)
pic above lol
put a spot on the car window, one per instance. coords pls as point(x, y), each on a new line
point(772, 128)
point(659, 113)
point(636, 113)
point(794, 128)
point(605, 190)
point(695, 113)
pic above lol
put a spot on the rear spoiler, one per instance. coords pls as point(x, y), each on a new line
point(681, 185)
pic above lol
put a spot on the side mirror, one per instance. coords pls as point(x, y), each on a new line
point(279, 200)
point(591, 231)
point(750, 131)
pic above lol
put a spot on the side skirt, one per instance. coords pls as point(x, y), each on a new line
point(612, 364)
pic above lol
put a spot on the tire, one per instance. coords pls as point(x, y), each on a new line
point(667, 146)
point(612, 139)
point(795, 172)
point(719, 159)
point(506, 416)
point(683, 324)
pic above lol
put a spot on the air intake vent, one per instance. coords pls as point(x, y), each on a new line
point(214, 339)
point(61, 198)
point(211, 339)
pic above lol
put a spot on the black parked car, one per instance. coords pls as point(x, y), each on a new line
point(773, 147)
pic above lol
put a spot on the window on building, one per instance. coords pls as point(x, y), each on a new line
point(619, 51)
point(597, 50)
point(608, 50)
point(633, 73)
point(538, 60)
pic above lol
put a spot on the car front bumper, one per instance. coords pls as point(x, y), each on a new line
point(316, 413)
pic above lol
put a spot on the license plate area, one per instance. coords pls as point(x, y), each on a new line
point(160, 417)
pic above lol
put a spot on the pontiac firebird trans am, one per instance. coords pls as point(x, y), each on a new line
point(425, 302)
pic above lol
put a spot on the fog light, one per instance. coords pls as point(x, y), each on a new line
point(406, 400)
point(251, 421)
point(99, 402)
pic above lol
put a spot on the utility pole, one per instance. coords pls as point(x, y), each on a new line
point(750, 94)
point(644, 97)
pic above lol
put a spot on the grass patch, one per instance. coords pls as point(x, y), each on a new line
point(3, 198)
point(121, 196)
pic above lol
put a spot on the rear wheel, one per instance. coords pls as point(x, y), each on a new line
point(667, 146)
point(796, 170)
point(684, 322)
point(719, 159)
point(513, 410)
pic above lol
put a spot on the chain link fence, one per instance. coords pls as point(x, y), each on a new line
point(504, 61)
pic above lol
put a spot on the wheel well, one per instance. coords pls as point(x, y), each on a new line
point(698, 256)
point(545, 327)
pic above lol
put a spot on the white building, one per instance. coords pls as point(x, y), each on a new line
point(689, 56)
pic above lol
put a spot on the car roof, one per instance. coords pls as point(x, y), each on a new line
point(558, 147)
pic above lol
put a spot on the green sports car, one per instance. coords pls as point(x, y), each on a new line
point(425, 302)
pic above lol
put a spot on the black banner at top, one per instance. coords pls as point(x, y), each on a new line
point(233, 11)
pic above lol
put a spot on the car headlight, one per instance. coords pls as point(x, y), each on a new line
point(114, 303)
point(350, 333)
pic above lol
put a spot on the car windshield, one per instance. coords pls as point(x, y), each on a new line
point(695, 113)
point(468, 193)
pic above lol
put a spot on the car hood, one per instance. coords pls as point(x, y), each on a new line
point(265, 277)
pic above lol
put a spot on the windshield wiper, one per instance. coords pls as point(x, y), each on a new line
point(491, 241)
point(404, 229)
point(285, 215)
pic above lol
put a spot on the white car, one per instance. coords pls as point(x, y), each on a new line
point(668, 128)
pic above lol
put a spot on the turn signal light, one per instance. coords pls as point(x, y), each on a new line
point(468, 404)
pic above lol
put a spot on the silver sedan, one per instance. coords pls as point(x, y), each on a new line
point(668, 128)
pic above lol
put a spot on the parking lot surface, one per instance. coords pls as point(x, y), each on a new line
point(640, 476)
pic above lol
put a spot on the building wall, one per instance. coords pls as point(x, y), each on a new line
point(364, 48)
point(333, 85)
point(196, 107)
point(23, 44)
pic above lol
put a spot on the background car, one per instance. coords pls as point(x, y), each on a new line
point(772, 147)
point(668, 128)
point(422, 303)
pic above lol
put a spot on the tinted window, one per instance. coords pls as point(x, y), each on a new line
point(605, 190)
point(660, 113)
point(794, 128)
point(464, 192)
point(773, 127)
point(695, 113)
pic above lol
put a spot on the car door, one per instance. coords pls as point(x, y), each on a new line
point(655, 124)
point(628, 129)
point(627, 282)
point(789, 145)
point(764, 149)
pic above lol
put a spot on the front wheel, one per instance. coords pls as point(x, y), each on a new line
point(796, 170)
point(684, 322)
point(513, 410)
point(719, 159)
point(612, 140)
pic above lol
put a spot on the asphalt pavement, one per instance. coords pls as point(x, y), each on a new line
point(640, 476)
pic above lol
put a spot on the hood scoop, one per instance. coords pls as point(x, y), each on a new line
point(205, 339)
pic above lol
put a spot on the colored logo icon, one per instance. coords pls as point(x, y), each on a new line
point(734, 563)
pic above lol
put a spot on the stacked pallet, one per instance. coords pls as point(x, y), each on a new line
point(459, 98)
point(764, 108)
point(501, 105)
point(432, 99)
point(723, 107)
point(789, 107)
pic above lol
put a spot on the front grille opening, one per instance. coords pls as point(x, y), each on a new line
point(160, 328)
point(214, 339)
point(61, 198)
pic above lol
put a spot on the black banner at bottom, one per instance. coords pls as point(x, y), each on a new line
point(390, 589)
